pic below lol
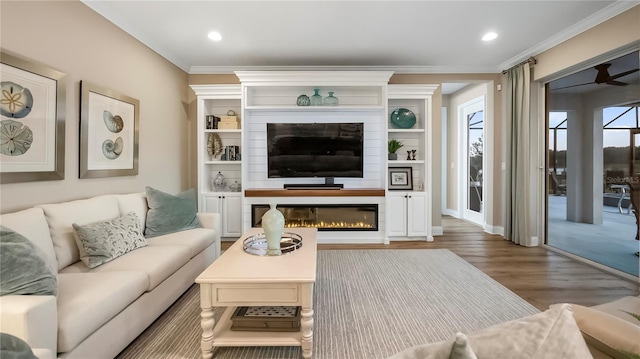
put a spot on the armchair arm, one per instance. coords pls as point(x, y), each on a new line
point(32, 318)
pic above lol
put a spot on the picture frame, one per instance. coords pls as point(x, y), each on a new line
point(32, 121)
point(109, 132)
point(400, 178)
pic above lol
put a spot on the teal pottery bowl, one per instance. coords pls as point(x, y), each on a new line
point(403, 118)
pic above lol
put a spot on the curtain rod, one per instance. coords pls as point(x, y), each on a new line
point(530, 60)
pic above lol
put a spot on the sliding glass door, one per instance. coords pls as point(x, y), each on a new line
point(593, 119)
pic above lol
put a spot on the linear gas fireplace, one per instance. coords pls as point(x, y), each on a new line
point(325, 217)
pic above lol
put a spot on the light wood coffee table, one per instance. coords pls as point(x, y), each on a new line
point(238, 279)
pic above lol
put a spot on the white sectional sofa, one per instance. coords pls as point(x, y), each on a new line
point(98, 312)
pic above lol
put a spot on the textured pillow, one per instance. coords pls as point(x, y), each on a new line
point(550, 334)
point(457, 347)
point(104, 241)
point(168, 213)
point(24, 267)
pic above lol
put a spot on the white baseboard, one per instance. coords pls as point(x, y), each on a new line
point(451, 212)
point(497, 230)
point(437, 231)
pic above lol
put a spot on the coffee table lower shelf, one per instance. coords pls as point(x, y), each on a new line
point(223, 336)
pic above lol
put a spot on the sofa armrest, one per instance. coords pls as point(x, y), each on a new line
point(212, 220)
point(32, 318)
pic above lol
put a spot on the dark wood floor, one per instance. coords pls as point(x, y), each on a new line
point(540, 276)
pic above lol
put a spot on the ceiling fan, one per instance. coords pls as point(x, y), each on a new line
point(603, 77)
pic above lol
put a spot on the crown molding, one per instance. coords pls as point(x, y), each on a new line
point(200, 70)
point(601, 16)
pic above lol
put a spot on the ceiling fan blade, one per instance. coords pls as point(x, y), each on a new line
point(566, 87)
point(623, 74)
point(616, 83)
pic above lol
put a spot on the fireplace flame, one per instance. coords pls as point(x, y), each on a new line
point(323, 224)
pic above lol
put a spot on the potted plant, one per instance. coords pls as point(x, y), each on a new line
point(393, 146)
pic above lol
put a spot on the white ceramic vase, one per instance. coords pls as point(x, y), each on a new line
point(273, 225)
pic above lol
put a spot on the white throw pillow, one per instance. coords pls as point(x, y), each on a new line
point(101, 242)
point(457, 347)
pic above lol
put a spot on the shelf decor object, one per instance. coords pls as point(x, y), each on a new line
point(32, 129)
point(108, 132)
point(316, 99)
point(219, 182)
point(330, 100)
point(214, 145)
point(392, 146)
point(303, 100)
point(400, 178)
point(266, 319)
point(403, 118)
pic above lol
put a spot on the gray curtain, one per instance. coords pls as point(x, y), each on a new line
point(518, 200)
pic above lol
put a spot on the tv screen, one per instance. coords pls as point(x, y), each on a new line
point(315, 150)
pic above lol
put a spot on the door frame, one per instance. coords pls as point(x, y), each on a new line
point(474, 105)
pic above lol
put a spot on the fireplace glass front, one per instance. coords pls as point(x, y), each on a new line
point(325, 217)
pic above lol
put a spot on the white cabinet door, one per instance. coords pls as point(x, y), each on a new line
point(416, 214)
point(212, 203)
point(396, 209)
point(231, 214)
point(229, 205)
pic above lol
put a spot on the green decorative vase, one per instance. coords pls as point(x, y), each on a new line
point(316, 99)
point(330, 100)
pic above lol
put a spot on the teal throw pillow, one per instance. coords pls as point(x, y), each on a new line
point(23, 266)
point(12, 347)
point(102, 242)
point(168, 213)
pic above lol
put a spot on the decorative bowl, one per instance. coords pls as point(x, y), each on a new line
point(403, 118)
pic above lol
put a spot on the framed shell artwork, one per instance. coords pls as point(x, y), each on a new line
point(108, 132)
point(32, 127)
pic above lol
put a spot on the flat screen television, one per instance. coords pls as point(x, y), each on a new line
point(297, 150)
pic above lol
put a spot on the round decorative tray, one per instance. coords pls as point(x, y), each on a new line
point(403, 118)
point(257, 244)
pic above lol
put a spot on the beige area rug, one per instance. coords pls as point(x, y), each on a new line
point(368, 304)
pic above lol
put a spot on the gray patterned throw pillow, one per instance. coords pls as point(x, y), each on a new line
point(101, 242)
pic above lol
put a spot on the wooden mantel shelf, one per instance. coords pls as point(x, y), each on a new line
point(359, 192)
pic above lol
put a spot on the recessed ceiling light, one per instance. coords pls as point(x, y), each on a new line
point(489, 36)
point(215, 36)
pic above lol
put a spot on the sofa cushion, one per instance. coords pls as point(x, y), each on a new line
point(133, 202)
point(610, 328)
point(23, 265)
point(61, 216)
point(101, 242)
point(157, 262)
point(195, 239)
point(32, 224)
point(168, 213)
point(88, 300)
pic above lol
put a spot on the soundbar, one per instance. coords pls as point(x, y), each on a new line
point(313, 186)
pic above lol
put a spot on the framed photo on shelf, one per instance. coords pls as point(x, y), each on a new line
point(32, 125)
point(400, 178)
point(108, 132)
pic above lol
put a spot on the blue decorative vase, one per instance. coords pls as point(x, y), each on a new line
point(330, 100)
point(273, 225)
point(316, 99)
point(303, 100)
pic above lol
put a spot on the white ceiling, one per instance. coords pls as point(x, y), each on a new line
point(403, 36)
